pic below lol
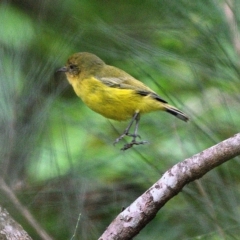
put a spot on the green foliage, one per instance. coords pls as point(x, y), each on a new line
point(62, 154)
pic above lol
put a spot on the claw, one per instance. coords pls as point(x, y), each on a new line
point(131, 144)
point(119, 138)
point(134, 136)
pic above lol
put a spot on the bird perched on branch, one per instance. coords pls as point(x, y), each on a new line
point(114, 93)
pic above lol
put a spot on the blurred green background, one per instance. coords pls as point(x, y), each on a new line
point(58, 156)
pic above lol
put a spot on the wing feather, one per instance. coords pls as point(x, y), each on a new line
point(133, 84)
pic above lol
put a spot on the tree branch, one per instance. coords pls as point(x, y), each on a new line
point(135, 217)
point(9, 228)
point(23, 210)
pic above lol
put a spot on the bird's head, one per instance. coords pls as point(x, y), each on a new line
point(82, 63)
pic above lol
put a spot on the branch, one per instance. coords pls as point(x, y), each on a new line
point(9, 229)
point(135, 217)
point(23, 210)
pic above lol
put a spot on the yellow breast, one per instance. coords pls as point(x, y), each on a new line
point(113, 103)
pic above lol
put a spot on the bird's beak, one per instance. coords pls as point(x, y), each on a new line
point(63, 69)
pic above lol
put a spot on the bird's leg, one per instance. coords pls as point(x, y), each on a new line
point(134, 136)
point(126, 131)
point(136, 117)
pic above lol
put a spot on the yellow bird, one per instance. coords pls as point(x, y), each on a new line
point(114, 93)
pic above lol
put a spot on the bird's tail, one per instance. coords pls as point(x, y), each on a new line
point(177, 113)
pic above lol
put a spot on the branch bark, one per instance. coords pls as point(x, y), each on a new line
point(135, 217)
point(9, 229)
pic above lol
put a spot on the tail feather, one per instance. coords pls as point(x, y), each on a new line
point(177, 113)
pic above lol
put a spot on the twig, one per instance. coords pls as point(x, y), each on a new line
point(75, 230)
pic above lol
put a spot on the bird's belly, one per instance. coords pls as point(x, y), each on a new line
point(113, 103)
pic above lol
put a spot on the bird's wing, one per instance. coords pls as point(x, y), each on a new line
point(125, 83)
point(151, 94)
point(115, 82)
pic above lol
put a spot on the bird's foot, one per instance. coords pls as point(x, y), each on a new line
point(119, 138)
point(134, 136)
point(131, 144)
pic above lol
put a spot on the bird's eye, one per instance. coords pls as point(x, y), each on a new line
point(73, 69)
point(72, 66)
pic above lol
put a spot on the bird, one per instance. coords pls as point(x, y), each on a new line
point(114, 93)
